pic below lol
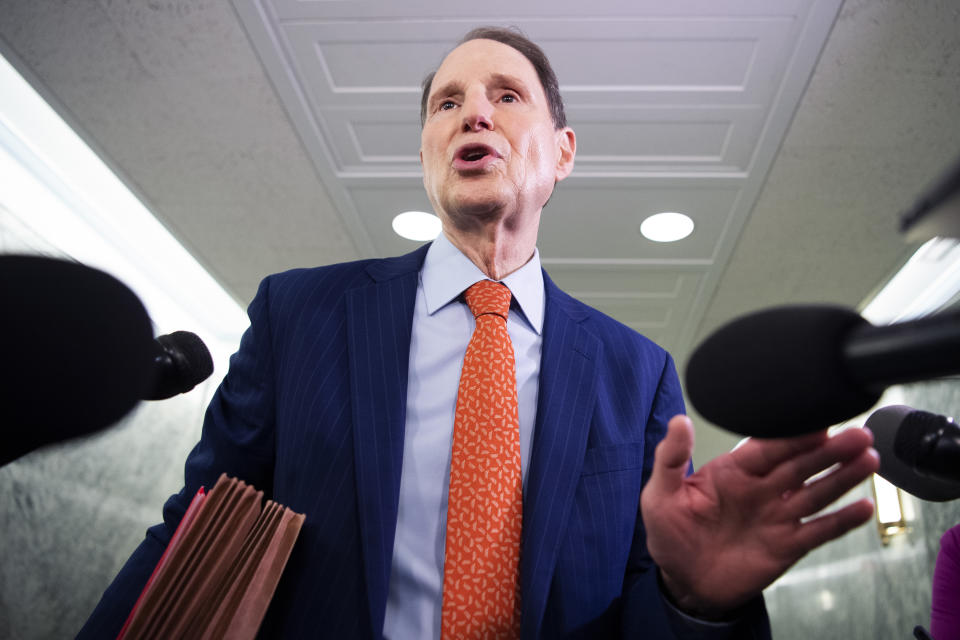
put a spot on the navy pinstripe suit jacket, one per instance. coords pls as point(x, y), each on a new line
point(312, 412)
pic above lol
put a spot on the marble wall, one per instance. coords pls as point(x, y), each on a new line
point(855, 588)
point(71, 514)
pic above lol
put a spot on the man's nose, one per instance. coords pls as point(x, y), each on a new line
point(477, 113)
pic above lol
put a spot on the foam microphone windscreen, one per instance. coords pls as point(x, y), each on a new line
point(77, 349)
point(778, 372)
point(183, 362)
point(896, 423)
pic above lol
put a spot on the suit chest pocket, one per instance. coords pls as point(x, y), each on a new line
point(608, 459)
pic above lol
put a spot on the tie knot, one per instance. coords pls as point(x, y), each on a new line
point(488, 296)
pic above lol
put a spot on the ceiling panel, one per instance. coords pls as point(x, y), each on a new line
point(511, 10)
point(374, 141)
point(665, 140)
point(574, 226)
point(615, 279)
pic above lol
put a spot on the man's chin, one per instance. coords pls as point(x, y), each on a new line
point(478, 205)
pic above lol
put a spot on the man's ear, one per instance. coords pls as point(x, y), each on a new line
point(567, 140)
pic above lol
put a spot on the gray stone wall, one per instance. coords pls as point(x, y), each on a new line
point(71, 514)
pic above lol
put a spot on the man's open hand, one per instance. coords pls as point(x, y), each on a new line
point(721, 535)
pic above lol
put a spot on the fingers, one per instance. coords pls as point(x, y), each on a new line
point(790, 461)
point(843, 447)
point(676, 448)
point(833, 525)
point(672, 456)
point(818, 494)
point(856, 462)
point(759, 457)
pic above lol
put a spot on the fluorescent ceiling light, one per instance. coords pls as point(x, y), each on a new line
point(57, 187)
point(928, 281)
point(667, 227)
point(417, 225)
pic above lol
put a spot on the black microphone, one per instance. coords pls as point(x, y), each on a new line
point(919, 451)
point(791, 370)
point(920, 633)
point(76, 351)
point(182, 361)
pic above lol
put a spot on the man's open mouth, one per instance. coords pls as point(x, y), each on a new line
point(473, 153)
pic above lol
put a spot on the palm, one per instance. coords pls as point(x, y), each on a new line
point(724, 533)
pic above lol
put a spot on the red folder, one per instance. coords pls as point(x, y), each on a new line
point(219, 572)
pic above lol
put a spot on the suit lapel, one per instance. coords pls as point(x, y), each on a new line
point(379, 321)
point(564, 410)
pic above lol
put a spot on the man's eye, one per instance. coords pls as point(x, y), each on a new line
point(508, 97)
point(446, 104)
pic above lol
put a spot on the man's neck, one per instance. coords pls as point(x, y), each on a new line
point(496, 251)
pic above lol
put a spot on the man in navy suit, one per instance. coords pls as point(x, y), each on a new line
point(340, 400)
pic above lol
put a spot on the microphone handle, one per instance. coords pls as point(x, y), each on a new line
point(879, 356)
point(921, 633)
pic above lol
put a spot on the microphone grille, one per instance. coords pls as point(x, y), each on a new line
point(191, 356)
point(911, 435)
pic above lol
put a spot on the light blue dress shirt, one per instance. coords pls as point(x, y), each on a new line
point(442, 326)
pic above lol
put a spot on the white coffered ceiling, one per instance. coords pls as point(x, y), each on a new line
point(280, 133)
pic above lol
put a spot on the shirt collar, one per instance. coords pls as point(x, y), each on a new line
point(447, 273)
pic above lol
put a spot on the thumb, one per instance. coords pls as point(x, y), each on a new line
point(672, 456)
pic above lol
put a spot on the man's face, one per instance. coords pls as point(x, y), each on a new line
point(489, 146)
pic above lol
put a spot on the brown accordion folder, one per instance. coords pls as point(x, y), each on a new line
point(217, 576)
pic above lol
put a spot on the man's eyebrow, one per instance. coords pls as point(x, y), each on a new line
point(505, 79)
point(445, 90)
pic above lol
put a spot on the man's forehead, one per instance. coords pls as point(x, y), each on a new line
point(489, 58)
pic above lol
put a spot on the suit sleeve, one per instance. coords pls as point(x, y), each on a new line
point(645, 605)
point(237, 439)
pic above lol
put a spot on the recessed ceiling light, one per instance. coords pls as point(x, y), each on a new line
point(417, 225)
point(667, 227)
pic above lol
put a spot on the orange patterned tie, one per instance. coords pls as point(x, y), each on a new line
point(482, 566)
